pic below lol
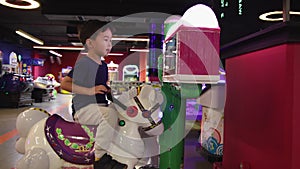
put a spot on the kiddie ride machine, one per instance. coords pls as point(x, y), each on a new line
point(15, 87)
point(44, 88)
point(190, 59)
point(50, 142)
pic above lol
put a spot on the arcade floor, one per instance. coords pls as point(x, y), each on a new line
point(60, 105)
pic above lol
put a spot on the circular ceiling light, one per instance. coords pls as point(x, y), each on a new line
point(20, 4)
point(267, 16)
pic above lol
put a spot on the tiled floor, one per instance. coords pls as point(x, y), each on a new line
point(60, 105)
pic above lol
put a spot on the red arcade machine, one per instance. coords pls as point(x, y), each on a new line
point(263, 94)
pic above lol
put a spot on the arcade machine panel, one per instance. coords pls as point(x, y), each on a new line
point(130, 73)
point(192, 56)
point(113, 73)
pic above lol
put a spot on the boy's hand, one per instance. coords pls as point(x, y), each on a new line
point(100, 89)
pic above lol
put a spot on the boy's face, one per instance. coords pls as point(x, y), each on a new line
point(101, 44)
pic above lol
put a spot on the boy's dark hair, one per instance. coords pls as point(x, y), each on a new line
point(91, 28)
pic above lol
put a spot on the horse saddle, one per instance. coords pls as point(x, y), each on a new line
point(71, 141)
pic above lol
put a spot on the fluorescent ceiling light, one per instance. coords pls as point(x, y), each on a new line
point(55, 53)
point(115, 54)
point(139, 50)
point(70, 48)
point(58, 47)
point(110, 54)
point(118, 39)
point(30, 37)
point(131, 39)
point(76, 43)
point(32, 4)
point(266, 16)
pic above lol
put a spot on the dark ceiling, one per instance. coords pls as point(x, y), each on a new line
point(56, 21)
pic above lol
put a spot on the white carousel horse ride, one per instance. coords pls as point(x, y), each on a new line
point(50, 142)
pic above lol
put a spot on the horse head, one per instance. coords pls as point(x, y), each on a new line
point(142, 108)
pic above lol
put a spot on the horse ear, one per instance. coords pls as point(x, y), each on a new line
point(147, 92)
point(153, 95)
point(132, 93)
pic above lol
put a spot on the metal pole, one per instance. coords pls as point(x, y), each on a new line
point(172, 140)
point(286, 10)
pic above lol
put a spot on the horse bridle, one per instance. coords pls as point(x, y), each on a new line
point(145, 113)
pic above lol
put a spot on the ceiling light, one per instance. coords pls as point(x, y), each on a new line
point(27, 4)
point(131, 39)
point(76, 43)
point(266, 16)
point(118, 39)
point(139, 50)
point(58, 47)
point(55, 53)
point(110, 54)
point(30, 37)
point(115, 54)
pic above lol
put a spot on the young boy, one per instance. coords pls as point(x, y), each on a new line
point(88, 81)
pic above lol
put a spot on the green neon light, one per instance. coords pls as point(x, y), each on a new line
point(240, 7)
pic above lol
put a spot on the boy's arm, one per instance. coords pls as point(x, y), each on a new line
point(67, 84)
